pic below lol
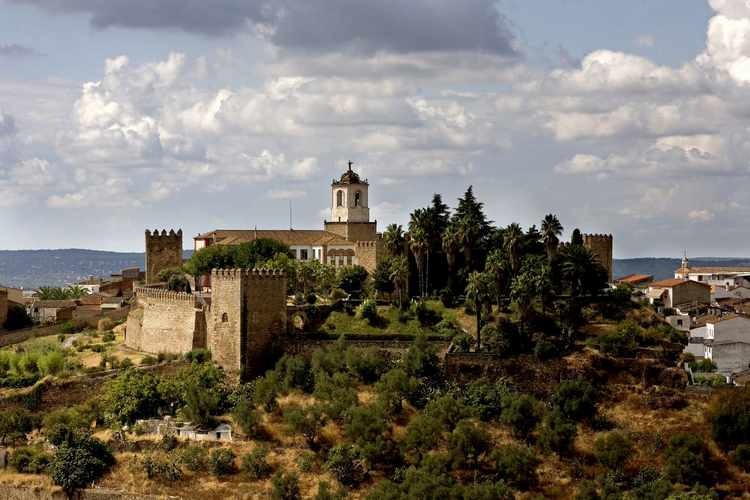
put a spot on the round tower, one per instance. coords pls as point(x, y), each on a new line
point(349, 201)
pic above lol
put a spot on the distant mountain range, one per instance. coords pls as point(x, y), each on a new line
point(34, 268)
point(30, 269)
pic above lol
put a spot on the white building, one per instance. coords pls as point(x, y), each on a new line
point(726, 277)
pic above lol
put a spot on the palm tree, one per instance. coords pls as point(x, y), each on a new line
point(419, 247)
point(477, 292)
point(581, 270)
point(551, 231)
point(394, 240)
point(400, 277)
point(451, 245)
point(497, 267)
point(513, 241)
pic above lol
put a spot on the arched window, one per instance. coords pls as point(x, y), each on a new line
point(358, 198)
point(339, 198)
point(225, 318)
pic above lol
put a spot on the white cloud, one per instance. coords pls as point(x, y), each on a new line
point(286, 194)
point(645, 40)
point(701, 215)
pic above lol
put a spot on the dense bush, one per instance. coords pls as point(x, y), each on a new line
point(352, 279)
point(395, 387)
point(558, 434)
point(132, 395)
point(368, 311)
point(741, 457)
point(366, 427)
point(485, 398)
point(265, 390)
point(729, 414)
point(165, 469)
point(368, 365)
point(344, 464)
point(575, 400)
point(221, 462)
point(516, 465)
point(285, 486)
point(294, 372)
point(467, 444)
point(422, 435)
point(306, 421)
point(521, 413)
point(14, 424)
point(198, 356)
point(327, 492)
point(447, 410)
point(613, 450)
point(255, 464)
point(545, 350)
point(79, 461)
point(421, 359)
point(248, 419)
point(194, 458)
point(28, 460)
point(686, 458)
point(336, 393)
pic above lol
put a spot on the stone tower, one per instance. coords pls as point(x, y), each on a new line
point(163, 250)
point(601, 246)
point(248, 310)
point(349, 198)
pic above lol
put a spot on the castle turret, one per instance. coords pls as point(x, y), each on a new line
point(601, 246)
point(163, 251)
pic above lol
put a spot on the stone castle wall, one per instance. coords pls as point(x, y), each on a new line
point(227, 319)
point(164, 321)
point(353, 231)
point(601, 246)
point(3, 307)
point(266, 317)
point(163, 251)
point(368, 253)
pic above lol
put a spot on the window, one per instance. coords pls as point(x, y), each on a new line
point(225, 318)
point(349, 260)
point(303, 254)
point(339, 198)
point(357, 198)
point(679, 322)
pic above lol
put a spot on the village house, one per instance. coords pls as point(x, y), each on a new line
point(52, 311)
point(727, 277)
point(679, 294)
point(723, 339)
point(184, 430)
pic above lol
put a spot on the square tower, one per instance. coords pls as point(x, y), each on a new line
point(349, 201)
point(163, 251)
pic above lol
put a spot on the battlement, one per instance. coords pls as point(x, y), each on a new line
point(162, 295)
point(367, 244)
point(164, 234)
point(597, 237)
point(236, 274)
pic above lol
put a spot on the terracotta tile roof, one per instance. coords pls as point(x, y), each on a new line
point(55, 304)
point(717, 270)
point(93, 299)
point(309, 237)
point(671, 283)
point(634, 279)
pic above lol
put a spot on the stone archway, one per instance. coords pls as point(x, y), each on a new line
point(298, 322)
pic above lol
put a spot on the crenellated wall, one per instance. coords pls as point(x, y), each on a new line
point(601, 246)
point(163, 321)
point(368, 253)
point(163, 251)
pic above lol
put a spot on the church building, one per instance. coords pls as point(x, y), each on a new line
point(349, 238)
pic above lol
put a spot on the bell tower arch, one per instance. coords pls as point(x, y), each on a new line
point(349, 201)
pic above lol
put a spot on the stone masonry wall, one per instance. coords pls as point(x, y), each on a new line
point(266, 316)
point(601, 246)
point(163, 250)
point(353, 231)
point(226, 317)
point(168, 322)
point(368, 253)
point(3, 307)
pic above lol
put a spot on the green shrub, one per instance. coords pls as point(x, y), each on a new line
point(168, 442)
point(421, 359)
point(162, 469)
point(366, 364)
point(132, 395)
point(366, 426)
point(516, 465)
point(485, 398)
point(545, 350)
point(126, 363)
point(394, 387)
point(613, 450)
point(306, 461)
point(255, 464)
point(327, 492)
point(704, 366)
point(368, 311)
point(51, 363)
point(79, 462)
point(447, 410)
point(265, 391)
point(422, 435)
point(557, 435)
point(521, 413)
point(108, 337)
point(467, 444)
point(462, 342)
point(221, 462)
point(311, 298)
point(29, 460)
point(485, 491)
point(343, 463)
point(426, 315)
point(306, 421)
point(575, 400)
point(72, 327)
point(285, 486)
point(194, 458)
point(728, 413)
point(686, 458)
point(148, 361)
point(294, 372)
point(247, 418)
point(336, 393)
point(198, 356)
point(338, 294)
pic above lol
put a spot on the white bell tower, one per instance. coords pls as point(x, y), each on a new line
point(349, 198)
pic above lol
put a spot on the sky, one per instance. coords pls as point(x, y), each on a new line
point(628, 118)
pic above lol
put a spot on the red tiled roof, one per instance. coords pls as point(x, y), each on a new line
point(635, 279)
point(309, 237)
point(674, 282)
